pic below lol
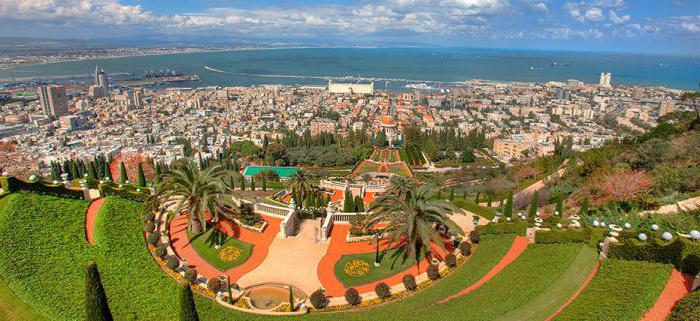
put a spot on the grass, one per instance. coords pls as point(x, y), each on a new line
point(470, 206)
point(621, 290)
point(207, 251)
point(388, 267)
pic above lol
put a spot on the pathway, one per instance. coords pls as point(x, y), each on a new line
point(338, 247)
point(677, 286)
point(519, 245)
point(261, 243)
point(90, 218)
point(292, 260)
point(465, 220)
point(577, 293)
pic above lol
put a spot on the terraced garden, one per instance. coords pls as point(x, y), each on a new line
point(231, 252)
point(358, 269)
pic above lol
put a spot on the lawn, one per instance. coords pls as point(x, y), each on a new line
point(367, 167)
point(388, 267)
point(206, 250)
point(470, 206)
point(621, 290)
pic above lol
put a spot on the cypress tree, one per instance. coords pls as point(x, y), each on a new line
point(508, 210)
point(252, 183)
point(96, 305)
point(584, 208)
point(488, 204)
point(123, 177)
point(533, 205)
point(264, 183)
point(142, 176)
point(359, 204)
point(309, 200)
point(348, 205)
point(477, 197)
point(92, 173)
point(108, 172)
point(291, 297)
point(159, 172)
point(188, 311)
point(560, 205)
point(74, 172)
point(242, 183)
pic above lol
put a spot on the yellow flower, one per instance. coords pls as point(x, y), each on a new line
point(356, 267)
point(229, 253)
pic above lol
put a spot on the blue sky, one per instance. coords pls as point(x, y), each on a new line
point(648, 26)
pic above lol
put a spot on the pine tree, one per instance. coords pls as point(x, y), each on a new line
point(533, 205)
point(188, 311)
point(508, 210)
point(96, 305)
point(142, 176)
point(123, 177)
point(488, 203)
point(348, 205)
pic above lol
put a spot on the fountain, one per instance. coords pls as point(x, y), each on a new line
point(271, 295)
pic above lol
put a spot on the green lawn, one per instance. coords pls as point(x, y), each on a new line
point(621, 290)
point(388, 267)
point(202, 245)
point(470, 206)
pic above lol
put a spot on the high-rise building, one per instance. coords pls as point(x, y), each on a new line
point(137, 97)
point(605, 79)
point(666, 107)
point(100, 79)
point(637, 92)
point(54, 101)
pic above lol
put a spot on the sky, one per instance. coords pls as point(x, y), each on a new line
point(643, 26)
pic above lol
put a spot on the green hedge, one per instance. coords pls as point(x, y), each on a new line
point(687, 309)
point(126, 192)
point(4, 184)
point(519, 228)
point(681, 252)
point(12, 184)
point(589, 236)
point(621, 290)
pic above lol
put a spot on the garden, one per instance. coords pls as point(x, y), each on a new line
point(219, 250)
point(358, 269)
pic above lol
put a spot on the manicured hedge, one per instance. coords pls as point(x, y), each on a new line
point(130, 194)
point(519, 228)
point(687, 309)
point(11, 184)
point(681, 252)
point(620, 290)
point(589, 236)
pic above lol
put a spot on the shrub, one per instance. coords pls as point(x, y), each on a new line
point(474, 237)
point(96, 306)
point(149, 227)
point(191, 275)
point(382, 290)
point(188, 311)
point(318, 299)
point(173, 263)
point(214, 284)
point(352, 296)
point(465, 248)
point(162, 251)
point(409, 282)
point(451, 260)
point(150, 217)
point(563, 236)
point(682, 253)
point(433, 272)
point(11, 184)
point(519, 228)
point(153, 238)
point(687, 309)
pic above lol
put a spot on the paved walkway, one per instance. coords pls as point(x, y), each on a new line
point(576, 294)
point(338, 247)
point(677, 286)
point(261, 243)
point(519, 245)
point(292, 260)
point(466, 221)
point(90, 218)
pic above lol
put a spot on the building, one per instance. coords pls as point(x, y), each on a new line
point(100, 79)
point(637, 92)
point(71, 123)
point(96, 91)
point(321, 125)
point(137, 97)
point(349, 88)
point(53, 100)
point(574, 83)
point(605, 79)
point(666, 107)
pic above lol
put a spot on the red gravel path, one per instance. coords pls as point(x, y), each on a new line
point(90, 218)
point(519, 245)
point(678, 285)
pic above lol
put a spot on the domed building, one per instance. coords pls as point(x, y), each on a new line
point(388, 125)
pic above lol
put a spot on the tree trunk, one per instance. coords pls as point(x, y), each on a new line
point(195, 225)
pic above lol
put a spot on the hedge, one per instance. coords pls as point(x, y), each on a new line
point(684, 254)
point(519, 228)
point(108, 189)
point(589, 236)
point(687, 309)
point(12, 184)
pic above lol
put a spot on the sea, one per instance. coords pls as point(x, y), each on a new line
point(389, 68)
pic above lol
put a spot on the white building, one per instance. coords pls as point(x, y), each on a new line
point(605, 79)
point(349, 88)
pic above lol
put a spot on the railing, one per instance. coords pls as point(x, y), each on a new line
point(272, 210)
point(326, 227)
point(345, 217)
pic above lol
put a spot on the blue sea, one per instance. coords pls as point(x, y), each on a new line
point(392, 68)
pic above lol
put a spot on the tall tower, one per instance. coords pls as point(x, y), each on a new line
point(53, 100)
point(605, 79)
point(100, 79)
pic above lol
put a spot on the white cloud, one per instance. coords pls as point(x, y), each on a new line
point(618, 19)
point(565, 33)
point(75, 11)
point(690, 26)
point(594, 14)
point(540, 6)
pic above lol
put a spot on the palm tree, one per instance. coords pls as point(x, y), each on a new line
point(409, 212)
point(401, 186)
point(195, 192)
point(300, 182)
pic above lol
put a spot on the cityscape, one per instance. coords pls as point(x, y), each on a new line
point(458, 160)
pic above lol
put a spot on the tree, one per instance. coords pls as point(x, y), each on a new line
point(291, 299)
point(533, 205)
point(108, 172)
point(626, 186)
point(142, 177)
point(359, 204)
point(409, 218)
point(197, 193)
point(92, 173)
point(694, 99)
point(188, 311)
point(252, 183)
point(242, 183)
point(300, 182)
point(123, 177)
point(508, 209)
point(560, 205)
point(468, 156)
point(348, 205)
point(264, 183)
point(96, 305)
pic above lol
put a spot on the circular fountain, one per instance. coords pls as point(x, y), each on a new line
point(268, 296)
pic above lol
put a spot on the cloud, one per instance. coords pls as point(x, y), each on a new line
point(618, 19)
point(594, 14)
point(565, 33)
point(74, 11)
point(540, 6)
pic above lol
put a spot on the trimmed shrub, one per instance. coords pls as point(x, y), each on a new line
point(433, 272)
point(352, 296)
point(12, 184)
point(150, 217)
point(519, 228)
point(109, 189)
point(173, 263)
point(318, 299)
point(214, 285)
point(191, 275)
point(162, 251)
point(474, 237)
point(451, 260)
point(149, 227)
point(188, 311)
point(687, 309)
point(383, 291)
point(153, 238)
point(681, 252)
point(96, 306)
point(563, 236)
point(409, 282)
point(465, 248)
